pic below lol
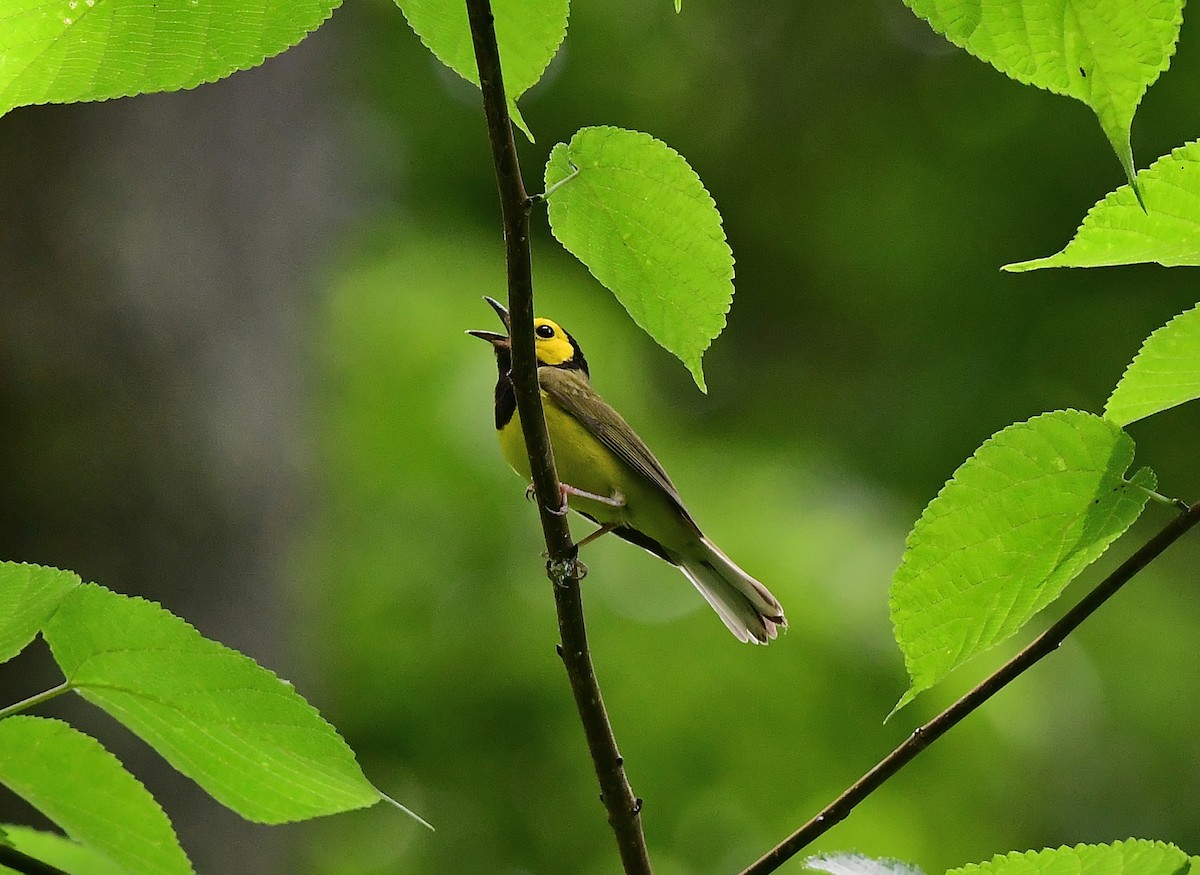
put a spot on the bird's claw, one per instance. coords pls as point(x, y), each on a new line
point(531, 494)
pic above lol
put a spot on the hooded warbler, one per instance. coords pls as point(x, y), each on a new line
point(610, 476)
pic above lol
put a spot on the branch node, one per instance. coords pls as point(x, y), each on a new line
point(564, 572)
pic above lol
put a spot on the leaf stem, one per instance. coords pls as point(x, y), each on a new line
point(538, 198)
point(45, 696)
point(1042, 646)
point(26, 865)
point(1178, 503)
point(623, 807)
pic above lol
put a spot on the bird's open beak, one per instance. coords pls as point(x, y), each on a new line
point(491, 336)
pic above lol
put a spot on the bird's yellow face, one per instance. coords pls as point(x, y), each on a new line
point(553, 346)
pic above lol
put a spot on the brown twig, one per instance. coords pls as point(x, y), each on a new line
point(1042, 646)
point(564, 571)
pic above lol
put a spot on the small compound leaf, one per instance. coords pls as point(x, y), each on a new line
point(76, 50)
point(29, 594)
point(1130, 857)
point(1117, 230)
point(218, 717)
point(1036, 504)
point(859, 864)
point(74, 781)
point(62, 853)
point(641, 220)
point(1105, 53)
point(528, 33)
point(1164, 373)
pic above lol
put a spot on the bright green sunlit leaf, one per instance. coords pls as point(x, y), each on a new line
point(236, 729)
point(61, 853)
point(82, 787)
point(859, 864)
point(71, 50)
point(29, 594)
point(642, 221)
point(1130, 857)
point(1105, 53)
point(1164, 373)
point(1037, 503)
point(528, 33)
point(1118, 231)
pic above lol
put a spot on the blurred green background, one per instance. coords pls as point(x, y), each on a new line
point(233, 378)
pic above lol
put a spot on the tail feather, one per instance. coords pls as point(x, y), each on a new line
point(745, 606)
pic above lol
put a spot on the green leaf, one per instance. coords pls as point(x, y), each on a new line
point(1131, 857)
point(62, 853)
point(95, 49)
point(641, 220)
point(1118, 231)
point(1036, 504)
point(528, 33)
point(80, 786)
point(29, 594)
point(1164, 373)
point(240, 732)
point(1105, 53)
point(859, 864)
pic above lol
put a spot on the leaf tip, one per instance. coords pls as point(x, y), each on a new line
point(908, 696)
point(519, 121)
point(418, 818)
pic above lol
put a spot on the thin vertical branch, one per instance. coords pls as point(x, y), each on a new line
point(564, 571)
point(1040, 647)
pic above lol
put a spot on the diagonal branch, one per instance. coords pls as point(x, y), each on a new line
point(564, 571)
point(1042, 646)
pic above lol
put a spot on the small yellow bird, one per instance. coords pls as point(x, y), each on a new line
point(610, 476)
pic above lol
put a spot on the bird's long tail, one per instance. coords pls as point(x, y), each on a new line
point(745, 606)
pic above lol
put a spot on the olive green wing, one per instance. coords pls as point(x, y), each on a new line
point(572, 392)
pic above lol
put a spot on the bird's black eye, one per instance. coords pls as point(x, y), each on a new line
point(544, 331)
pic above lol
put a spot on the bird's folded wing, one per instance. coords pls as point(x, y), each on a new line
point(572, 392)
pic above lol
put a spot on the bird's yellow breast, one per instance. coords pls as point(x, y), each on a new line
point(581, 460)
point(585, 463)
